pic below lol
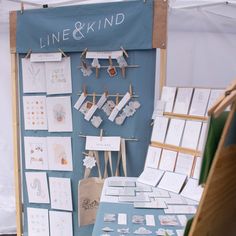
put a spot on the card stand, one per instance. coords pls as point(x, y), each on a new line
point(186, 117)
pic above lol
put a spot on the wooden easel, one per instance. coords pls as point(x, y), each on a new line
point(159, 40)
point(216, 214)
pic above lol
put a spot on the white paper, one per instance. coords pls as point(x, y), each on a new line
point(123, 101)
point(60, 193)
point(180, 209)
point(122, 219)
point(90, 112)
point(192, 190)
point(197, 168)
point(150, 220)
point(159, 109)
point(168, 159)
point(191, 134)
point(36, 157)
point(203, 137)
point(104, 55)
point(121, 183)
point(157, 192)
point(38, 224)
point(59, 114)
point(97, 143)
point(215, 94)
point(37, 187)
point(199, 102)
point(144, 188)
point(127, 192)
point(182, 219)
point(172, 182)
point(180, 232)
point(175, 131)
point(153, 157)
point(60, 153)
point(113, 114)
point(110, 191)
point(42, 57)
point(138, 198)
point(184, 164)
point(80, 101)
point(33, 75)
point(168, 96)
point(60, 223)
point(156, 204)
point(176, 200)
point(35, 115)
point(159, 129)
point(58, 77)
point(150, 176)
point(102, 100)
point(183, 100)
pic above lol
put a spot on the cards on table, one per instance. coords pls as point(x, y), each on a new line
point(150, 176)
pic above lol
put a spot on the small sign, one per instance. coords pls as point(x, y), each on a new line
point(41, 57)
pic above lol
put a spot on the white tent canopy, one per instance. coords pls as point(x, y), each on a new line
point(201, 52)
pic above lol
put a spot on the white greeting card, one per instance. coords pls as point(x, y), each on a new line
point(58, 76)
point(123, 101)
point(168, 159)
point(184, 164)
point(191, 134)
point(153, 157)
point(37, 187)
point(168, 96)
point(36, 157)
point(180, 209)
point(159, 109)
point(172, 182)
point(90, 112)
point(215, 94)
point(159, 129)
point(104, 54)
point(80, 101)
point(38, 224)
point(97, 143)
point(33, 75)
point(155, 204)
point(60, 223)
point(175, 131)
point(59, 114)
point(183, 100)
point(60, 153)
point(35, 115)
point(199, 102)
point(150, 176)
point(60, 192)
point(102, 100)
point(203, 137)
point(192, 190)
point(197, 167)
point(42, 57)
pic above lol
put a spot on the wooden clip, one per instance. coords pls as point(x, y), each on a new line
point(84, 65)
point(101, 133)
point(94, 98)
point(28, 53)
point(62, 52)
point(84, 90)
point(117, 99)
point(123, 50)
point(83, 54)
point(106, 93)
point(97, 72)
point(110, 61)
point(123, 71)
point(21, 7)
point(130, 90)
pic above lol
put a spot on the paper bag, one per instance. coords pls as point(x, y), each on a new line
point(89, 192)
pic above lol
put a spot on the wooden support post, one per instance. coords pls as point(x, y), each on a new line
point(163, 67)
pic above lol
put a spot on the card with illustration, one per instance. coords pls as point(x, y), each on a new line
point(60, 153)
point(36, 157)
point(60, 223)
point(59, 114)
point(58, 76)
point(170, 220)
point(35, 115)
point(33, 75)
point(37, 187)
point(60, 192)
point(38, 224)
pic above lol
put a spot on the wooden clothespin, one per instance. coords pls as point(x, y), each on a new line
point(84, 90)
point(123, 50)
point(111, 69)
point(117, 99)
point(84, 65)
point(94, 98)
point(224, 101)
point(123, 70)
point(130, 90)
point(106, 93)
point(21, 7)
point(83, 54)
point(101, 134)
point(97, 71)
point(28, 53)
point(62, 52)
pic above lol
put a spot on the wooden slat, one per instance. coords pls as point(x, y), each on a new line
point(163, 68)
point(16, 143)
point(187, 117)
point(159, 34)
point(12, 20)
point(176, 148)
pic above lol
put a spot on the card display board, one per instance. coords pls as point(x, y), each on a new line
point(76, 31)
